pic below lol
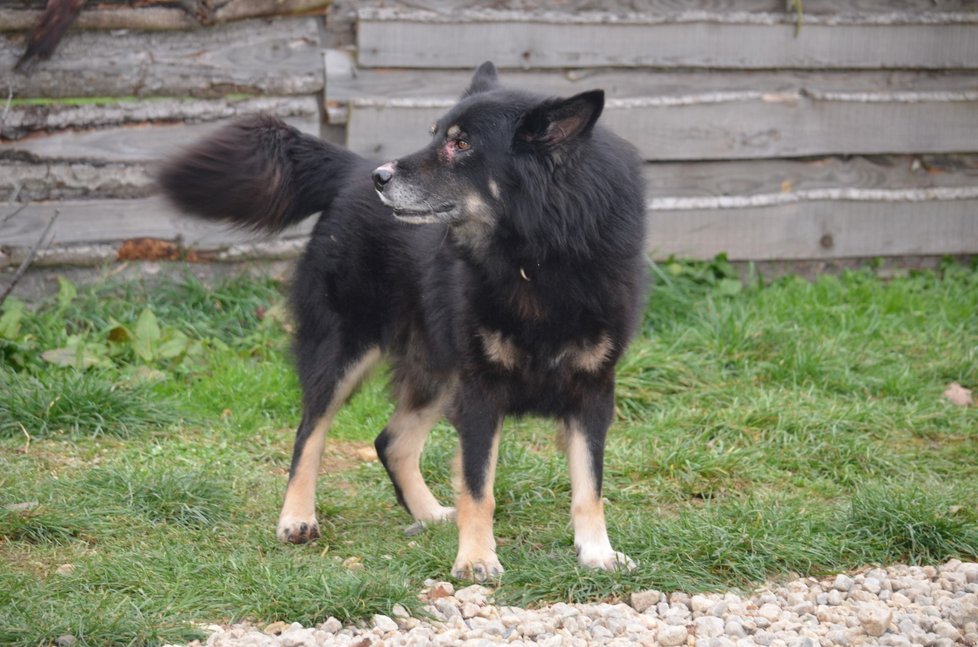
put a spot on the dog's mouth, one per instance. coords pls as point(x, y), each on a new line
point(426, 216)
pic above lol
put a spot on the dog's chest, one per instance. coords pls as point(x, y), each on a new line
point(539, 355)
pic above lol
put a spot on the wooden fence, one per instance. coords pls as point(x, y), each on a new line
point(848, 130)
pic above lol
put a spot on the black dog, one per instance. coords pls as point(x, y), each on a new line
point(508, 281)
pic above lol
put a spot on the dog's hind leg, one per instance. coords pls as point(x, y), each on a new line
point(584, 437)
point(326, 388)
point(399, 447)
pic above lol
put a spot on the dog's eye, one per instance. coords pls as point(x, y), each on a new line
point(462, 144)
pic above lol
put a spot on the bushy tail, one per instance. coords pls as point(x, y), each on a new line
point(258, 173)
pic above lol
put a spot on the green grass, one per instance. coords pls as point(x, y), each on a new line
point(762, 430)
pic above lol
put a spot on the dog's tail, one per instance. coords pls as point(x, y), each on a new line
point(258, 173)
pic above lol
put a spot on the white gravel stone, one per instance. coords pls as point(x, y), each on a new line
point(672, 635)
point(899, 606)
point(643, 600)
point(384, 623)
point(708, 626)
point(769, 611)
point(875, 618)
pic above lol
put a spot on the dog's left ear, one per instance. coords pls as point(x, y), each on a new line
point(557, 121)
point(483, 80)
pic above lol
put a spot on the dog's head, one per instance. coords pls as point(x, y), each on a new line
point(477, 150)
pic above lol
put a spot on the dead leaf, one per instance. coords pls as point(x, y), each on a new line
point(353, 564)
point(958, 395)
point(367, 454)
point(153, 249)
point(65, 570)
point(276, 628)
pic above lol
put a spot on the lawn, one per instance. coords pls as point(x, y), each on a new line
point(764, 429)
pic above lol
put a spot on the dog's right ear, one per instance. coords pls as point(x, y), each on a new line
point(483, 80)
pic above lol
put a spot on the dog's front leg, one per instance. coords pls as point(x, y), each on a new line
point(478, 428)
point(584, 435)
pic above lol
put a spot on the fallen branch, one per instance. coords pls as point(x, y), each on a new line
point(29, 259)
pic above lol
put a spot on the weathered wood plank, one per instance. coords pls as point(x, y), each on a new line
point(814, 229)
point(412, 38)
point(759, 210)
point(109, 221)
point(143, 143)
point(746, 180)
point(23, 119)
point(277, 57)
point(671, 116)
point(31, 182)
point(161, 15)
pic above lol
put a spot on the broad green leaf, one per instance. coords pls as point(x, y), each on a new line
point(13, 312)
point(176, 346)
point(729, 287)
point(66, 292)
point(74, 357)
point(147, 334)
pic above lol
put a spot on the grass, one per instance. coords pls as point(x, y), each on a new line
point(763, 430)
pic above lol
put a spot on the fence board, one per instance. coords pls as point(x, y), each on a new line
point(24, 119)
point(671, 116)
point(715, 38)
point(156, 15)
point(817, 230)
point(277, 57)
point(97, 221)
point(132, 143)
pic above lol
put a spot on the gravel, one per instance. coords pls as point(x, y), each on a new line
point(899, 606)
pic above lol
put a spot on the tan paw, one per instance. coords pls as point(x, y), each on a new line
point(477, 569)
point(297, 530)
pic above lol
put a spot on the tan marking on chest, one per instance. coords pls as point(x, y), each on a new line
point(498, 349)
point(590, 357)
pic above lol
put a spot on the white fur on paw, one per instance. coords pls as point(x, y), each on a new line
point(440, 515)
point(606, 561)
point(294, 530)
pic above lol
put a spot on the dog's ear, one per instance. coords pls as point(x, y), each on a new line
point(557, 121)
point(483, 80)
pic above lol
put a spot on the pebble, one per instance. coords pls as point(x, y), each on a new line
point(672, 635)
point(899, 606)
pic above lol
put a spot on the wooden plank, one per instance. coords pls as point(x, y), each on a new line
point(32, 182)
point(277, 57)
point(107, 221)
point(22, 119)
point(817, 229)
point(671, 116)
point(674, 181)
point(757, 210)
point(164, 16)
point(143, 143)
point(726, 38)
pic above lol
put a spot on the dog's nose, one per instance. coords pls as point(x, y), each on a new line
point(382, 175)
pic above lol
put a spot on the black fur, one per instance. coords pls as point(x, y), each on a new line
point(535, 233)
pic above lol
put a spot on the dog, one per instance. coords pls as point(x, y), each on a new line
point(500, 270)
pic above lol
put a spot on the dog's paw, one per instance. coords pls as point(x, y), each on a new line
point(297, 531)
point(606, 560)
point(477, 570)
point(438, 516)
